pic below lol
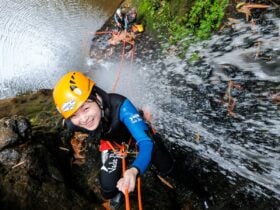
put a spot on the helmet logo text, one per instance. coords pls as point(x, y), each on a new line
point(69, 105)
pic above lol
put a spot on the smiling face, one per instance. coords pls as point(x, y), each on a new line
point(87, 116)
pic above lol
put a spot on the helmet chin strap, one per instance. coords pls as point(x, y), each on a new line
point(103, 124)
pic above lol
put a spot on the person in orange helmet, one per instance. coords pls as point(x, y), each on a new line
point(110, 117)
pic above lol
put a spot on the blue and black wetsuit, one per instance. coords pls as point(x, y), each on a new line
point(126, 122)
point(120, 122)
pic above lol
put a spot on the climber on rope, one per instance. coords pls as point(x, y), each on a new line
point(120, 19)
point(125, 26)
point(110, 119)
point(130, 19)
point(125, 20)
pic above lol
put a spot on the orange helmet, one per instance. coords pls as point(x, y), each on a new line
point(71, 91)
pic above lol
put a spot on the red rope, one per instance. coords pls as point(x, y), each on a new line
point(120, 69)
point(132, 54)
point(127, 202)
point(100, 32)
point(123, 153)
point(139, 193)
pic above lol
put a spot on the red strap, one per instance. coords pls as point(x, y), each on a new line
point(104, 145)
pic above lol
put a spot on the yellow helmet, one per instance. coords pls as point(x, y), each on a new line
point(71, 91)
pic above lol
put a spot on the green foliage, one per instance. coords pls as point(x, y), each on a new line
point(206, 16)
point(155, 14)
point(194, 57)
point(199, 20)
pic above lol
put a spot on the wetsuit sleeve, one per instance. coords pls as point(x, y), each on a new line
point(116, 18)
point(137, 127)
point(125, 22)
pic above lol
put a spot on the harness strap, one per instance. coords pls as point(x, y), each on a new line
point(122, 151)
point(114, 146)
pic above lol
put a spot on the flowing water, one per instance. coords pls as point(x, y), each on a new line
point(224, 107)
point(40, 40)
point(242, 63)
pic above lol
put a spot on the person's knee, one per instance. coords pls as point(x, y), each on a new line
point(108, 186)
point(109, 193)
point(108, 182)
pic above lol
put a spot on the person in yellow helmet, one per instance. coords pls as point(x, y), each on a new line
point(110, 117)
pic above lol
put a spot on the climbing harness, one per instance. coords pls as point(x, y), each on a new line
point(122, 151)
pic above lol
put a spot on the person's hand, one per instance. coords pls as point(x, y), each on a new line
point(127, 182)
